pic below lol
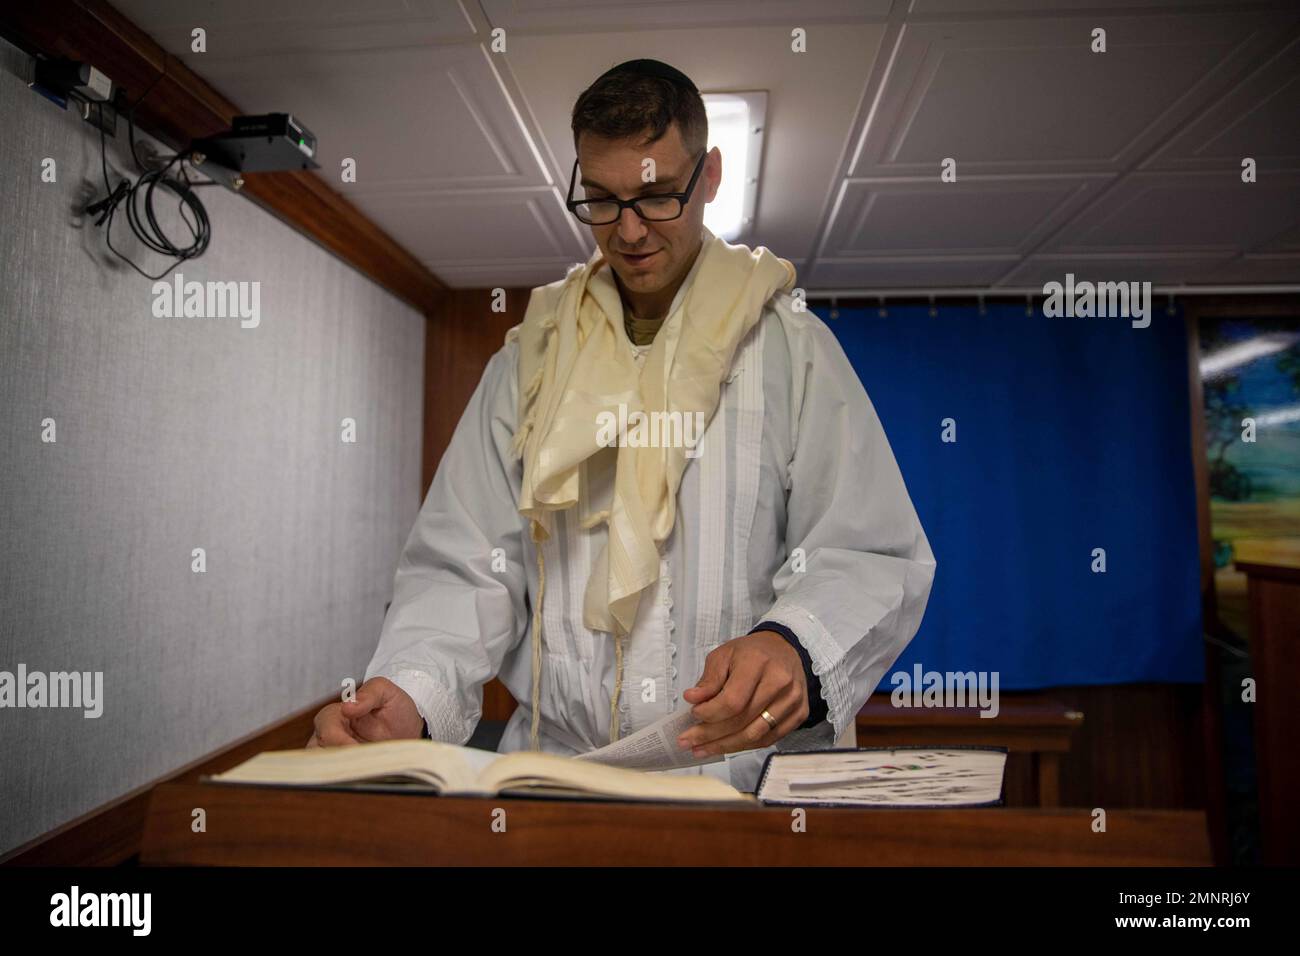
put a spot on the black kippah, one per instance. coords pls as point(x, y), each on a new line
point(651, 68)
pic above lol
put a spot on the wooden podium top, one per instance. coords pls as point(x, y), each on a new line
point(284, 827)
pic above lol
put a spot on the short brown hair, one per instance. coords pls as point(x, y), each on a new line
point(626, 104)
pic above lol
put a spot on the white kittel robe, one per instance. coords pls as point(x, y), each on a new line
point(794, 458)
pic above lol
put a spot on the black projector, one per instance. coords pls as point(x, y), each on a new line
point(261, 144)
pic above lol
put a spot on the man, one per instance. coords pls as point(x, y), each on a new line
point(777, 562)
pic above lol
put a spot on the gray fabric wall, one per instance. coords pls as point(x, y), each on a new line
point(174, 434)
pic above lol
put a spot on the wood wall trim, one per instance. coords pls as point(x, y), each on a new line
point(182, 106)
point(1216, 792)
point(112, 834)
point(460, 338)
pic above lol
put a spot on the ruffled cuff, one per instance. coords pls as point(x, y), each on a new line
point(435, 702)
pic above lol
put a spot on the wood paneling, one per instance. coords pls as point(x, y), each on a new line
point(1273, 569)
point(1141, 745)
point(463, 333)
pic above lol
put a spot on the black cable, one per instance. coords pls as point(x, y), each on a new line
point(130, 119)
point(146, 226)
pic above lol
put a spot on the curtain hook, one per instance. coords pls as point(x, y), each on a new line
point(880, 307)
point(835, 309)
point(980, 299)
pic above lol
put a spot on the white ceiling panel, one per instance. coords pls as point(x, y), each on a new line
point(1244, 122)
point(1163, 269)
point(1255, 270)
point(1126, 160)
point(1020, 95)
point(455, 228)
point(910, 272)
point(920, 9)
point(1289, 241)
point(447, 123)
point(1185, 212)
point(977, 215)
point(240, 28)
point(583, 16)
point(504, 273)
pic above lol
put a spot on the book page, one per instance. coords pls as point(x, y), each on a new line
point(653, 747)
point(555, 775)
point(396, 765)
point(902, 777)
point(441, 767)
point(478, 759)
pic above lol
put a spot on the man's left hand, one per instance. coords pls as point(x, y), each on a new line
point(743, 678)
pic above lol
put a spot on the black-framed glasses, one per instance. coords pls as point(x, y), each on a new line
point(660, 207)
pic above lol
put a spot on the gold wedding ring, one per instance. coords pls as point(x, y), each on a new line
point(770, 719)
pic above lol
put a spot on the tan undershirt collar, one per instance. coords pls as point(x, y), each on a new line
point(641, 331)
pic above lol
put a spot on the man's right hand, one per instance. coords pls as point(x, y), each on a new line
point(382, 711)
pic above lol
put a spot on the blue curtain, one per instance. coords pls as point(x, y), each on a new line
point(1072, 434)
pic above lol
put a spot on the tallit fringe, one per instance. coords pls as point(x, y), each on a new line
point(537, 646)
point(531, 390)
point(534, 386)
point(615, 725)
point(521, 438)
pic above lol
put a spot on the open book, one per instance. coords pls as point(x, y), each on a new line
point(900, 777)
point(431, 766)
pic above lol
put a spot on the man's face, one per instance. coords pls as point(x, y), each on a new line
point(612, 167)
